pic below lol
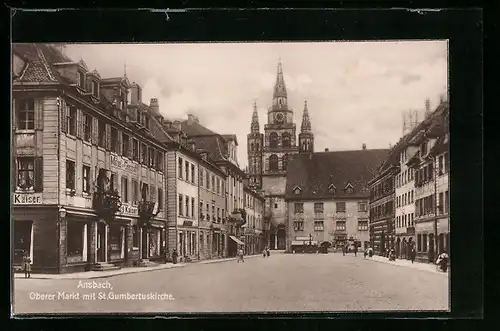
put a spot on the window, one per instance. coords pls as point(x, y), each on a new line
point(285, 162)
point(298, 207)
point(208, 211)
point(153, 193)
point(318, 207)
point(145, 192)
point(160, 199)
point(193, 206)
point(75, 240)
point(87, 127)
point(273, 140)
point(446, 163)
point(95, 89)
point(144, 154)
point(200, 211)
point(187, 207)
point(114, 140)
point(441, 203)
point(213, 182)
point(218, 214)
point(25, 173)
point(446, 202)
point(423, 149)
point(424, 242)
point(70, 174)
point(135, 236)
point(124, 193)
point(298, 225)
point(80, 79)
point(193, 175)
point(86, 179)
point(275, 206)
point(125, 144)
point(201, 178)
point(441, 165)
point(273, 163)
point(101, 134)
point(159, 161)
point(318, 226)
point(419, 242)
point(25, 114)
point(112, 182)
point(362, 225)
point(135, 150)
point(340, 226)
point(180, 205)
point(71, 120)
point(362, 206)
point(186, 170)
point(135, 191)
point(285, 140)
point(218, 186)
point(340, 207)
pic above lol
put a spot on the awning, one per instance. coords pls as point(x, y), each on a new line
point(236, 240)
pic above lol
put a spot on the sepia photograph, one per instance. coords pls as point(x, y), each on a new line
point(230, 177)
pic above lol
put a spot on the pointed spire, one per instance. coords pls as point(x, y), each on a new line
point(125, 69)
point(279, 87)
point(306, 121)
point(255, 127)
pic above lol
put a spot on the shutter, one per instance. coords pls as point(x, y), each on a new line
point(38, 174)
point(64, 116)
point(108, 137)
point(38, 114)
point(14, 173)
point(91, 181)
point(79, 123)
point(119, 149)
point(95, 131)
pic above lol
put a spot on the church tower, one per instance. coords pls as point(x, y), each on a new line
point(306, 137)
point(279, 144)
point(254, 151)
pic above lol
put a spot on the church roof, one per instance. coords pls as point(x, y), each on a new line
point(326, 175)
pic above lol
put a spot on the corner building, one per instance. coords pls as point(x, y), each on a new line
point(269, 154)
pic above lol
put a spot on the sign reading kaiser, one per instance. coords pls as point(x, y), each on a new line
point(27, 199)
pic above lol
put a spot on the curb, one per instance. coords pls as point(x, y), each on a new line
point(403, 266)
point(128, 272)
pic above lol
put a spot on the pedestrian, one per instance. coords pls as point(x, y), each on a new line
point(442, 261)
point(240, 255)
point(174, 256)
point(413, 254)
point(343, 249)
point(355, 250)
point(27, 265)
point(264, 253)
point(268, 252)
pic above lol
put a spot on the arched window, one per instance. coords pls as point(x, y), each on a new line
point(285, 161)
point(258, 146)
point(273, 163)
point(285, 139)
point(252, 147)
point(273, 140)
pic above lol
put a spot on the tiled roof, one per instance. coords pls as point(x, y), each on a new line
point(195, 129)
point(442, 145)
point(215, 149)
point(228, 137)
point(314, 173)
point(39, 58)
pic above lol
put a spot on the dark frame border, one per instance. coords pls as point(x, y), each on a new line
point(462, 27)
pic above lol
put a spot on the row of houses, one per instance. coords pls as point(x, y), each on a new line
point(101, 180)
point(409, 196)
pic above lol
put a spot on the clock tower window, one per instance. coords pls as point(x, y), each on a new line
point(273, 140)
point(273, 163)
point(285, 137)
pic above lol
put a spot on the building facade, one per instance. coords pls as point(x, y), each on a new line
point(253, 229)
point(431, 167)
point(269, 154)
point(327, 198)
point(87, 188)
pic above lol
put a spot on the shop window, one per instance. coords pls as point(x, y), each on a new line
point(76, 241)
point(22, 240)
point(424, 242)
point(70, 175)
point(25, 114)
point(154, 242)
point(135, 237)
point(86, 179)
point(116, 240)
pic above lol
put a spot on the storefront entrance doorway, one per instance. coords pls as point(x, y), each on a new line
point(101, 242)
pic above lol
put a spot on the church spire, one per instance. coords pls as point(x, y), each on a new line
point(279, 87)
point(255, 127)
point(306, 121)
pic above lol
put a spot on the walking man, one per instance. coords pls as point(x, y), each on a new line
point(240, 255)
point(27, 265)
point(412, 254)
point(355, 249)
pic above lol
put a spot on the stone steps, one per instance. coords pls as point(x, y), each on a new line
point(147, 263)
point(102, 266)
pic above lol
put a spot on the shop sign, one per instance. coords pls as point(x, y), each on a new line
point(123, 164)
point(127, 209)
point(27, 199)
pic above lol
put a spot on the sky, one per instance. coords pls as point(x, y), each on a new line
point(356, 92)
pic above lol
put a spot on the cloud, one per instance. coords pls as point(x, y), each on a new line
point(356, 91)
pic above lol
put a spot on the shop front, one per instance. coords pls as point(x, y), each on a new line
point(187, 243)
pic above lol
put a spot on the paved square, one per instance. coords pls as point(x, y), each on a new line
point(283, 282)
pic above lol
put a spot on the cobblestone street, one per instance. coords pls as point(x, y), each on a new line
point(283, 282)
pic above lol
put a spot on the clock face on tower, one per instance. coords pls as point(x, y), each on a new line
point(280, 118)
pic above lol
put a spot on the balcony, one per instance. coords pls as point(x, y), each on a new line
point(146, 211)
point(238, 217)
point(106, 204)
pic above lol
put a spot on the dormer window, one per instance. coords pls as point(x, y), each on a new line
point(349, 188)
point(80, 79)
point(95, 89)
point(297, 190)
point(332, 188)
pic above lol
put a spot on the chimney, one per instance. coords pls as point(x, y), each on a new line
point(192, 119)
point(135, 94)
point(427, 107)
point(192, 145)
point(327, 150)
point(363, 147)
point(154, 107)
point(176, 125)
